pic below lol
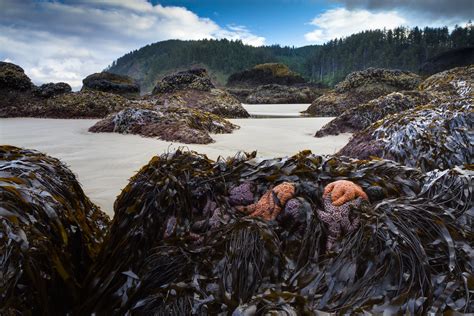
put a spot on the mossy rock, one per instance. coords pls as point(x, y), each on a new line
point(50, 234)
point(111, 83)
point(280, 94)
point(270, 73)
point(13, 77)
point(360, 87)
point(195, 79)
point(84, 104)
point(51, 89)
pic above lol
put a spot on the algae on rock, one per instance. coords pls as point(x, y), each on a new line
point(50, 234)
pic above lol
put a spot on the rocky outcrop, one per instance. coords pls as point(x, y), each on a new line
point(50, 234)
point(13, 77)
point(197, 79)
point(179, 244)
point(51, 89)
point(20, 98)
point(437, 135)
point(263, 74)
point(180, 124)
point(360, 87)
point(362, 116)
point(277, 94)
point(194, 89)
point(458, 57)
point(111, 83)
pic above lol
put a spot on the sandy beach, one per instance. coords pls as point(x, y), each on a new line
point(105, 162)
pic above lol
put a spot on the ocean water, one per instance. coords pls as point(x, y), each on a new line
point(104, 162)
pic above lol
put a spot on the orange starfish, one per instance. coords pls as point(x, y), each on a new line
point(271, 203)
point(343, 191)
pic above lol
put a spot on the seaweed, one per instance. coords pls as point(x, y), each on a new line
point(412, 252)
point(50, 233)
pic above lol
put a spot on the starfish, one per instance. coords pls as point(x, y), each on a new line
point(339, 219)
point(343, 191)
point(271, 203)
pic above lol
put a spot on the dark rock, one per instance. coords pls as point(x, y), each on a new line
point(182, 124)
point(437, 135)
point(51, 89)
point(360, 87)
point(112, 83)
point(263, 74)
point(458, 57)
point(280, 94)
point(13, 77)
point(197, 79)
point(362, 116)
point(50, 234)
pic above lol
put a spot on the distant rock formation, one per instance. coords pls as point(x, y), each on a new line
point(111, 83)
point(277, 94)
point(458, 57)
point(197, 79)
point(263, 74)
point(360, 87)
point(194, 89)
point(50, 234)
point(20, 98)
point(180, 124)
point(51, 89)
point(432, 136)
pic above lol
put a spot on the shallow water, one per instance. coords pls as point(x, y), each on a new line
point(104, 162)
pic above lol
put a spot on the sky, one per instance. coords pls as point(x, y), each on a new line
point(67, 40)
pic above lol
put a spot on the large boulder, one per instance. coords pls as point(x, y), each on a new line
point(280, 94)
point(83, 104)
point(362, 116)
point(437, 135)
point(13, 77)
point(180, 124)
point(458, 57)
point(360, 87)
point(197, 79)
point(178, 244)
point(270, 73)
point(111, 83)
point(194, 89)
point(50, 234)
point(51, 89)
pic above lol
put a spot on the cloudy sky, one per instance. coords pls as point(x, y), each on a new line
point(67, 40)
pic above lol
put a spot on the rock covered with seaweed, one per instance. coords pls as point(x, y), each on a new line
point(181, 124)
point(360, 87)
point(437, 135)
point(50, 234)
point(263, 74)
point(277, 94)
point(193, 88)
point(178, 245)
point(362, 116)
point(112, 83)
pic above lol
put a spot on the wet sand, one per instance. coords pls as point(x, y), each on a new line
point(104, 162)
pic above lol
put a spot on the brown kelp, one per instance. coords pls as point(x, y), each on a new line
point(178, 245)
point(50, 233)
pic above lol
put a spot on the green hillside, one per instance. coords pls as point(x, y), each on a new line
point(400, 48)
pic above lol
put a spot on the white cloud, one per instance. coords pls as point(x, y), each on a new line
point(340, 22)
point(56, 41)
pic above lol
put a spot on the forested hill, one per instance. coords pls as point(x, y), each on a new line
point(400, 48)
